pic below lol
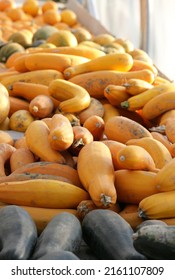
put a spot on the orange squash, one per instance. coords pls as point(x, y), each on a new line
point(122, 129)
point(95, 125)
point(16, 104)
point(46, 193)
point(134, 185)
point(96, 172)
point(114, 147)
point(5, 137)
point(136, 158)
point(51, 168)
point(21, 157)
point(92, 81)
point(117, 61)
point(37, 140)
point(136, 86)
point(116, 94)
point(95, 108)
point(6, 150)
point(41, 106)
point(61, 133)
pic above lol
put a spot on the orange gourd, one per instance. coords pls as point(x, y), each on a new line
point(136, 158)
point(37, 141)
point(122, 129)
point(95, 125)
point(96, 172)
point(134, 185)
point(41, 106)
point(92, 81)
point(6, 150)
point(116, 94)
point(117, 61)
point(21, 157)
point(61, 133)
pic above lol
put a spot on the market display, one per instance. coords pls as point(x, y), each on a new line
point(87, 141)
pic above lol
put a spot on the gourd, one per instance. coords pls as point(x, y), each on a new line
point(47, 193)
point(117, 61)
point(63, 232)
point(109, 236)
point(92, 81)
point(134, 185)
point(41, 106)
point(61, 133)
point(73, 98)
point(61, 255)
point(37, 141)
point(43, 32)
point(51, 168)
point(6, 150)
point(18, 233)
point(138, 101)
point(4, 103)
point(96, 172)
point(122, 129)
point(155, 241)
point(8, 49)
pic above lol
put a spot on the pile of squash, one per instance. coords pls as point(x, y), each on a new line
point(96, 121)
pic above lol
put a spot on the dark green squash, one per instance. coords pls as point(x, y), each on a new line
point(8, 49)
point(156, 242)
point(62, 233)
point(61, 255)
point(109, 236)
point(149, 223)
point(44, 32)
point(18, 233)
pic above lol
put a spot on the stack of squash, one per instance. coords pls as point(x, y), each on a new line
point(96, 117)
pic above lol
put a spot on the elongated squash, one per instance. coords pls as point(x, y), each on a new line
point(158, 206)
point(136, 86)
point(37, 141)
point(159, 104)
point(42, 193)
point(55, 61)
point(117, 61)
point(165, 180)
point(95, 82)
point(122, 129)
point(73, 98)
point(96, 172)
point(134, 185)
point(116, 94)
point(61, 133)
point(43, 77)
point(51, 168)
point(95, 108)
point(114, 147)
point(4, 103)
point(138, 101)
point(160, 154)
point(134, 157)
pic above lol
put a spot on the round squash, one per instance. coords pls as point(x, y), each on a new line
point(8, 49)
point(4, 103)
point(44, 32)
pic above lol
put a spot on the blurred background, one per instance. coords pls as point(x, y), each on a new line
point(149, 24)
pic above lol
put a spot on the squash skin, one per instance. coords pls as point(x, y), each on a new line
point(112, 241)
point(16, 244)
point(63, 232)
point(155, 241)
point(61, 255)
point(96, 172)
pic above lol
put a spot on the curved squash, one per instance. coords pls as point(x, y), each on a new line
point(73, 98)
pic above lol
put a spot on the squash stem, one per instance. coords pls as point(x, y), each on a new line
point(106, 200)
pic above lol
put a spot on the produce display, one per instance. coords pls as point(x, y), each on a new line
point(87, 141)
